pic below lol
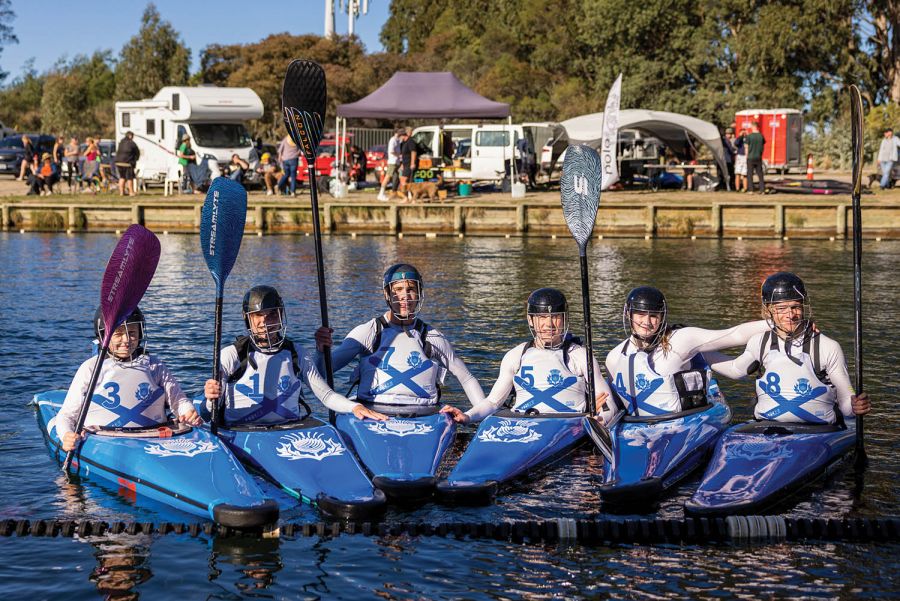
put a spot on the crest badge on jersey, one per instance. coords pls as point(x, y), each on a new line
point(641, 382)
point(508, 430)
point(399, 427)
point(555, 378)
point(143, 391)
point(301, 445)
point(802, 386)
point(284, 382)
point(180, 447)
point(414, 359)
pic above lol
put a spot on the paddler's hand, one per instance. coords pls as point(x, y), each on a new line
point(70, 441)
point(212, 389)
point(860, 403)
point(191, 417)
point(323, 338)
point(363, 412)
point(455, 414)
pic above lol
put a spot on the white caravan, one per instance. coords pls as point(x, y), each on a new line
point(213, 117)
point(479, 151)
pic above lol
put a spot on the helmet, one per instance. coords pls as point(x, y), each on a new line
point(401, 272)
point(265, 298)
point(137, 316)
point(645, 299)
point(785, 287)
point(548, 301)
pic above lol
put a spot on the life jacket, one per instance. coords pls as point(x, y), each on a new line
point(794, 388)
point(253, 401)
point(126, 396)
point(406, 372)
point(550, 386)
point(647, 393)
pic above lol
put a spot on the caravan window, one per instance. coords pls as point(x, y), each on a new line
point(126, 119)
point(221, 135)
point(176, 102)
point(492, 138)
point(151, 127)
point(162, 129)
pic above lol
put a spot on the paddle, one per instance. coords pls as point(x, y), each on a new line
point(221, 230)
point(856, 140)
point(128, 273)
point(580, 196)
point(303, 97)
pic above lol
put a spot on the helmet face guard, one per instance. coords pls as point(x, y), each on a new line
point(781, 293)
point(551, 305)
point(136, 318)
point(645, 300)
point(403, 273)
point(269, 335)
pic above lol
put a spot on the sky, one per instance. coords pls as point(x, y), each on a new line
point(51, 29)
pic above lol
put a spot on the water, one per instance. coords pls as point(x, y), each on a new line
point(475, 293)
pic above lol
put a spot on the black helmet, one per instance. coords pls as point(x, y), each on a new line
point(645, 299)
point(548, 301)
point(783, 286)
point(265, 298)
point(136, 316)
point(398, 273)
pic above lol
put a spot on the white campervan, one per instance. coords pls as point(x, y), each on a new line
point(213, 117)
point(480, 151)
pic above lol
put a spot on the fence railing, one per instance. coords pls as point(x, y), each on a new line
point(367, 137)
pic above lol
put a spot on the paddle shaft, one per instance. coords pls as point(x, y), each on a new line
point(320, 272)
point(588, 342)
point(857, 301)
point(217, 368)
point(86, 401)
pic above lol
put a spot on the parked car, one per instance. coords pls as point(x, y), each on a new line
point(12, 151)
point(325, 157)
point(376, 160)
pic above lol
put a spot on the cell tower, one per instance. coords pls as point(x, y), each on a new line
point(353, 8)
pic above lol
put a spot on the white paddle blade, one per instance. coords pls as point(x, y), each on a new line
point(580, 191)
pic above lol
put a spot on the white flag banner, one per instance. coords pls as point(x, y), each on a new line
point(610, 138)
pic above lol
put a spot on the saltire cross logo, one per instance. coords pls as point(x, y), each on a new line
point(771, 386)
point(401, 378)
point(548, 396)
point(644, 388)
point(267, 405)
point(134, 414)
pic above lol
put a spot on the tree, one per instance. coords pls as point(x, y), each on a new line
point(20, 103)
point(154, 58)
point(6, 32)
point(77, 96)
point(884, 66)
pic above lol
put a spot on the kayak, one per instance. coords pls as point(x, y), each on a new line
point(403, 453)
point(507, 445)
point(760, 463)
point(309, 461)
point(183, 467)
point(651, 454)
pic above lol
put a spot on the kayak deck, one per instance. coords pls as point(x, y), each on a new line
point(759, 464)
point(191, 471)
point(507, 445)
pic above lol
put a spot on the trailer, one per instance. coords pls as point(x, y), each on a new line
point(211, 116)
point(783, 130)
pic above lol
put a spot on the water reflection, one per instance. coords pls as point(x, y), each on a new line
point(123, 564)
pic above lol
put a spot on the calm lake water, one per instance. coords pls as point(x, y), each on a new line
point(475, 292)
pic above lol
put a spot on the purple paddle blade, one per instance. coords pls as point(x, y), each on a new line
point(580, 191)
point(128, 274)
point(303, 98)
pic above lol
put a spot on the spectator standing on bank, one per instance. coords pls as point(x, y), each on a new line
point(740, 161)
point(887, 156)
point(186, 156)
point(393, 163)
point(730, 154)
point(71, 157)
point(289, 159)
point(127, 155)
point(755, 143)
point(408, 159)
point(28, 159)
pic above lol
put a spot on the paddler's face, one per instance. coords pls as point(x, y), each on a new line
point(264, 322)
point(124, 340)
point(549, 328)
point(404, 298)
point(787, 315)
point(644, 323)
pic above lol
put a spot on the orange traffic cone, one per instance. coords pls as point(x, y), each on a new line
point(809, 166)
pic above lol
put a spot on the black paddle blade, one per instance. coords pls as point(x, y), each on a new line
point(856, 138)
point(580, 191)
point(303, 97)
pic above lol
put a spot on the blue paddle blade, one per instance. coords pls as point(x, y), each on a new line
point(127, 276)
point(580, 191)
point(222, 226)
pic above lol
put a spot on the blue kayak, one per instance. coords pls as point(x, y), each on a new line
point(654, 453)
point(185, 468)
point(758, 464)
point(403, 453)
point(509, 444)
point(309, 461)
